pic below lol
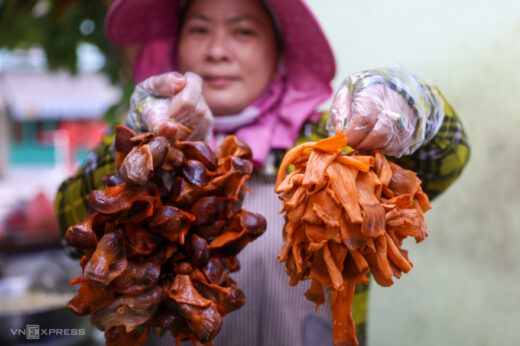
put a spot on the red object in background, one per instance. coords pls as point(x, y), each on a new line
point(84, 134)
point(72, 135)
point(81, 134)
point(40, 217)
point(31, 220)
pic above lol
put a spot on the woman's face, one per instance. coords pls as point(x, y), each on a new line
point(231, 44)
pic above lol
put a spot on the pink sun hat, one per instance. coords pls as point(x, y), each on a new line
point(290, 100)
point(154, 23)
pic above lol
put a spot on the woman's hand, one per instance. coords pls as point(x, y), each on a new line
point(173, 106)
point(374, 117)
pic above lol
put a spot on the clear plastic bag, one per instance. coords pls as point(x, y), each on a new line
point(389, 109)
point(171, 104)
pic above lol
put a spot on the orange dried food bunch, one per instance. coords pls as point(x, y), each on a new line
point(345, 215)
point(160, 240)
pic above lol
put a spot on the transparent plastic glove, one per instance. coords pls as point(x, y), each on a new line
point(374, 115)
point(171, 105)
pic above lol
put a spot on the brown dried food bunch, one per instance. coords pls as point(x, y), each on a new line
point(346, 214)
point(160, 240)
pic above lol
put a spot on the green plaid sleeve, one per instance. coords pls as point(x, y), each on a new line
point(439, 162)
point(71, 199)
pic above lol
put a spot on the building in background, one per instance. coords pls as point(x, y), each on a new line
point(47, 109)
point(43, 106)
point(48, 123)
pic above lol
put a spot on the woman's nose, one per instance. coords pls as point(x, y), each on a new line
point(217, 50)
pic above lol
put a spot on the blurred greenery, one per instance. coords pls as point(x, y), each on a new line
point(58, 27)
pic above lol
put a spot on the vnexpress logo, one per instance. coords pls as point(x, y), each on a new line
point(32, 332)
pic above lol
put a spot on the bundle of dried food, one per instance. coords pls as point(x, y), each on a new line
point(160, 240)
point(346, 214)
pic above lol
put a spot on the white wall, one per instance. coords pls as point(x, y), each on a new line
point(465, 287)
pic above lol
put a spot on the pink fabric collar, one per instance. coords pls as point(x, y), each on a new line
point(274, 120)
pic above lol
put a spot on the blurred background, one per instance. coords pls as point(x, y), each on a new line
point(61, 83)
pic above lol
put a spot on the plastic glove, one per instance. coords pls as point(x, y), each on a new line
point(374, 115)
point(171, 105)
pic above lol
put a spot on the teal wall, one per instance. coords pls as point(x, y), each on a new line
point(32, 153)
point(26, 148)
point(465, 287)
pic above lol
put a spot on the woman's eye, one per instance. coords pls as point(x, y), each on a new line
point(198, 30)
point(244, 32)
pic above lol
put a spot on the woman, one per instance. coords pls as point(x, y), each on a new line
point(259, 69)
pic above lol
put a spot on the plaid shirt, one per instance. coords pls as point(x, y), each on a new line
point(438, 163)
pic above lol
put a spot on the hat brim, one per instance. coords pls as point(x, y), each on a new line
point(306, 47)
